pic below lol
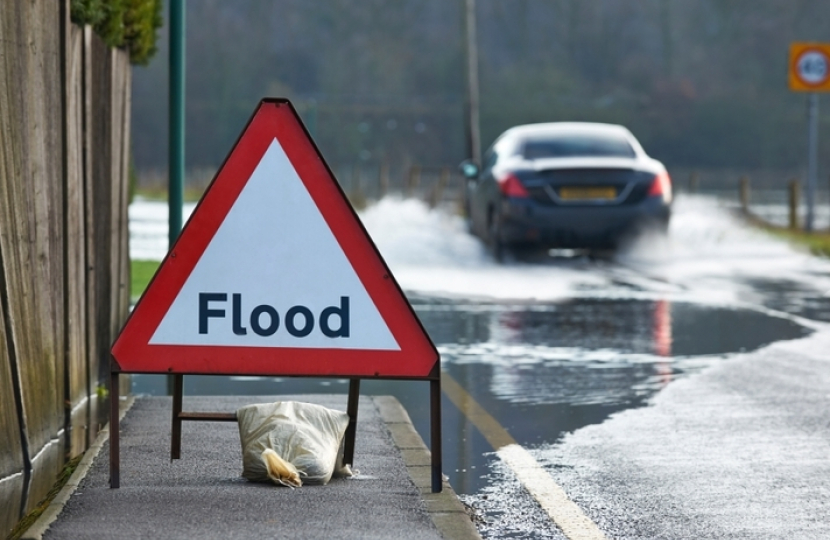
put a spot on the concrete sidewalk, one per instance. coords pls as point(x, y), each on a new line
point(203, 496)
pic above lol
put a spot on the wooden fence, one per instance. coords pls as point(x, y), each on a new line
point(793, 203)
point(64, 262)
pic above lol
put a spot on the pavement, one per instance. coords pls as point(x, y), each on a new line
point(202, 495)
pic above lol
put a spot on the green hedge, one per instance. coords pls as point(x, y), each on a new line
point(130, 24)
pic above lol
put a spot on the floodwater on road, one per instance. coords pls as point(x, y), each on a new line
point(560, 343)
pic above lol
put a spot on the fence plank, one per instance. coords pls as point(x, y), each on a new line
point(120, 197)
point(96, 414)
point(119, 245)
point(31, 233)
point(76, 309)
point(98, 198)
point(11, 452)
point(115, 139)
point(123, 232)
point(13, 461)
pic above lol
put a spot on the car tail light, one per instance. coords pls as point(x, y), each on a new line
point(511, 186)
point(661, 186)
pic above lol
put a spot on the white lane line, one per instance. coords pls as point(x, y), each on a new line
point(536, 480)
point(552, 498)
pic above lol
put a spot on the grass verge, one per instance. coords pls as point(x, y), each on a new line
point(160, 193)
point(141, 272)
point(817, 242)
point(27, 521)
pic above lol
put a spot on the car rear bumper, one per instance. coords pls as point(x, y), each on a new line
point(600, 226)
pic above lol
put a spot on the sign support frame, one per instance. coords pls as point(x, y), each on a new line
point(178, 416)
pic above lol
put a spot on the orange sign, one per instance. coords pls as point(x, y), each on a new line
point(810, 67)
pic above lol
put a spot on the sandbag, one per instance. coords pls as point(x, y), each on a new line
point(292, 443)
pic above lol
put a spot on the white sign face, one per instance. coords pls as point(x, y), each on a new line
point(274, 275)
point(812, 67)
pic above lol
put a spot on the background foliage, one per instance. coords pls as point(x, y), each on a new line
point(130, 24)
point(702, 83)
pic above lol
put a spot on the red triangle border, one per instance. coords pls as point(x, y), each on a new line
point(275, 118)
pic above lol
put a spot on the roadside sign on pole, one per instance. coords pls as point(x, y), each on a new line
point(274, 274)
point(809, 67)
point(810, 72)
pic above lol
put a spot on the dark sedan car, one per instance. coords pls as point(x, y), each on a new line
point(565, 185)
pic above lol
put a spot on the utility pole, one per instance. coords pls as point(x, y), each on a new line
point(175, 164)
point(176, 126)
point(812, 159)
point(472, 116)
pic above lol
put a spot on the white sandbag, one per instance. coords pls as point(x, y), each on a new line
point(305, 437)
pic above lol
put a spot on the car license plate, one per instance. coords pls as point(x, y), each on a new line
point(587, 193)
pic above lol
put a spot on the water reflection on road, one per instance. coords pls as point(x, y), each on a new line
point(545, 369)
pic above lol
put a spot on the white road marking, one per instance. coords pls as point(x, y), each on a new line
point(538, 482)
point(564, 512)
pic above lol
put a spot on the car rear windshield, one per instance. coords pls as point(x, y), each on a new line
point(577, 145)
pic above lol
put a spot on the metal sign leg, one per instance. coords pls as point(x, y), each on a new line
point(351, 430)
point(435, 433)
point(115, 433)
point(176, 432)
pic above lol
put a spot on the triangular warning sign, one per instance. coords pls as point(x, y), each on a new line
point(275, 275)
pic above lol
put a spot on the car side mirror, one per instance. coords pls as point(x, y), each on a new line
point(469, 169)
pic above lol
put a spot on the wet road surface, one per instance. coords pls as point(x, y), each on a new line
point(541, 369)
point(550, 347)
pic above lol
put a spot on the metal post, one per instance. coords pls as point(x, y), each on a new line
point(383, 180)
point(744, 194)
point(793, 199)
point(351, 429)
point(115, 432)
point(435, 431)
point(438, 189)
point(413, 180)
point(312, 117)
point(357, 198)
point(693, 183)
point(473, 128)
point(175, 164)
point(176, 431)
point(176, 150)
point(812, 159)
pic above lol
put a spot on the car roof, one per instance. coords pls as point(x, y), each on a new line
point(512, 139)
point(547, 128)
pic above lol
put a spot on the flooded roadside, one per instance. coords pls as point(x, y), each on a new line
point(541, 369)
point(550, 347)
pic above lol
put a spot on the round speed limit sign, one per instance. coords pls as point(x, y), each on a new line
point(810, 67)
